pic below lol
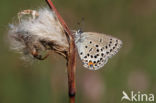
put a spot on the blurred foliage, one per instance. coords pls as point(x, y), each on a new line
point(133, 68)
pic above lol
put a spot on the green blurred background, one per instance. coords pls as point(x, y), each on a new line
point(132, 69)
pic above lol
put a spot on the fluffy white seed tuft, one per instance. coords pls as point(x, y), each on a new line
point(42, 33)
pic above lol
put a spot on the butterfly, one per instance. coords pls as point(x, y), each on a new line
point(95, 49)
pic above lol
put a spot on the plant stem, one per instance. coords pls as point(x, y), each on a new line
point(71, 57)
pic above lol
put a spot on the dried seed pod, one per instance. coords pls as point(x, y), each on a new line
point(43, 33)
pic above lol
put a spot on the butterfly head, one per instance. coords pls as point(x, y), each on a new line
point(78, 35)
point(79, 31)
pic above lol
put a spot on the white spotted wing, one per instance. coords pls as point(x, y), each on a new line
point(95, 49)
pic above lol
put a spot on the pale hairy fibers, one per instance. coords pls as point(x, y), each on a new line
point(38, 34)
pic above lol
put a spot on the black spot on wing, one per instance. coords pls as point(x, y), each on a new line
point(96, 45)
point(97, 50)
point(95, 56)
point(91, 56)
point(102, 54)
point(110, 50)
point(106, 46)
point(90, 49)
point(88, 54)
point(100, 40)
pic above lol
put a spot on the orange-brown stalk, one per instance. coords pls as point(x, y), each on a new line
point(71, 56)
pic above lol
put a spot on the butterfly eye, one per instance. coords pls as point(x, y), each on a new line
point(80, 31)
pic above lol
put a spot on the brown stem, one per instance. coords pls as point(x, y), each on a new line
point(71, 57)
point(71, 71)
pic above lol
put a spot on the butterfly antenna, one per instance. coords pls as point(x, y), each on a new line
point(81, 25)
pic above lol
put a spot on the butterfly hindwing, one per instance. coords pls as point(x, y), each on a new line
point(95, 49)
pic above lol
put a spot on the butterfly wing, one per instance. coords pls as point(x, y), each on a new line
point(95, 49)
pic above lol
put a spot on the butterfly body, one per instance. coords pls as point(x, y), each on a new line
point(95, 49)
